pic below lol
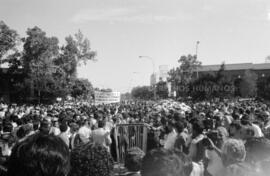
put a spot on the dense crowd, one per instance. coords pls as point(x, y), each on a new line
point(210, 138)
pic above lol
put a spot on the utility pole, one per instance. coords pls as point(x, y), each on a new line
point(197, 47)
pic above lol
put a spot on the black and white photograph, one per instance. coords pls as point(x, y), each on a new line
point(134, 87)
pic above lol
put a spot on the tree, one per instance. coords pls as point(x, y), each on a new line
point(205, 87)
point(224, 83)
point(9, 39)
point(174, 78)
point(76, 51)
point(142, 92)
point(82, 88)
point(248, 85)
point(14, 62)
point(181, 76)
point(212, 85)
point(188, 65)
point(40, 52)
point(47, 71)
point(263, 87)
point(162, 89)
point(221, 72)
point(126, 96)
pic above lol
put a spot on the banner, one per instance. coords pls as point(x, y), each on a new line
point(106, 97)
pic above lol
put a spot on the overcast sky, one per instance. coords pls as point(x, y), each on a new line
point(233, 31)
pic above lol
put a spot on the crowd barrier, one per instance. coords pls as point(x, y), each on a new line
point(128, 136)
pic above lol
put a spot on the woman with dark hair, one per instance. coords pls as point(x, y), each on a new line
point(91, 159)
point(133, 161)
point(196, 149)
point(39, 155)
point(163, 162)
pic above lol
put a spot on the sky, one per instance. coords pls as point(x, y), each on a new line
point(234, 31)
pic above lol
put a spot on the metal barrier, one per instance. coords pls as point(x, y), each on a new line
point(128, 136)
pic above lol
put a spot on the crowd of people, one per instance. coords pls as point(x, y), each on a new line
point(210, 138)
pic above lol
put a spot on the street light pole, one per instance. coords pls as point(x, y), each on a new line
point(197, 47)
point(153, 65)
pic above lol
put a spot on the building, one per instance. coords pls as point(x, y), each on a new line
point(162, 74)
point(237, 70)
point(153, 79)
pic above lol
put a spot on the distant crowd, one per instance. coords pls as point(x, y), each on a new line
point(209, 138)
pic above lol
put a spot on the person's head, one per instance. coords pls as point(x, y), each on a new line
point(222, 135)
point(35, 125)
point(91, 159)
point(39, 155)
point(133, 159)
point(235, 129)
point(56, 124)
point(74, 127)
point(179, 126)
point(197, 128)
point(45, 127)
point(163, 162)
point(101, 123)
point(7, 128)
point(63, 127)
point(233, 151)
point(22, 131)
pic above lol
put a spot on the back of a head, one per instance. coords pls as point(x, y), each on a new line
point(163, 162)
point(21, 133)
point(198, 126)
point(91, 160)
point(179, 126)
point(133, 159)
point(233, 151)
point(7, 127)
point(39, 155)
point(35, 125)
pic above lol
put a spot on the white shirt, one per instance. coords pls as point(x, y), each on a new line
point(55, 131)
point(257, 131)
point(2, 114)
point(101, 136)
point(170, 140)
point(85, 134)
point(197, 169)
point(215, 164)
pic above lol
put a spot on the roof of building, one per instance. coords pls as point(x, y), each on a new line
point(238, 66)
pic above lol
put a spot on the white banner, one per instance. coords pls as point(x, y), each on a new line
point(106, 97)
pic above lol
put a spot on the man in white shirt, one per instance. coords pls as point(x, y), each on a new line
point(85, 132)
point(63, 135)
point(257, 130)
point(171, 138)
point(101, 135)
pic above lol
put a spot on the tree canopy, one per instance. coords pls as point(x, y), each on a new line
point(142, 92)
point(48, 70)
point(9, 39)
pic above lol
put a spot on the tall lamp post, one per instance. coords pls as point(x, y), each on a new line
point(197, 47)
point(153, 65)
